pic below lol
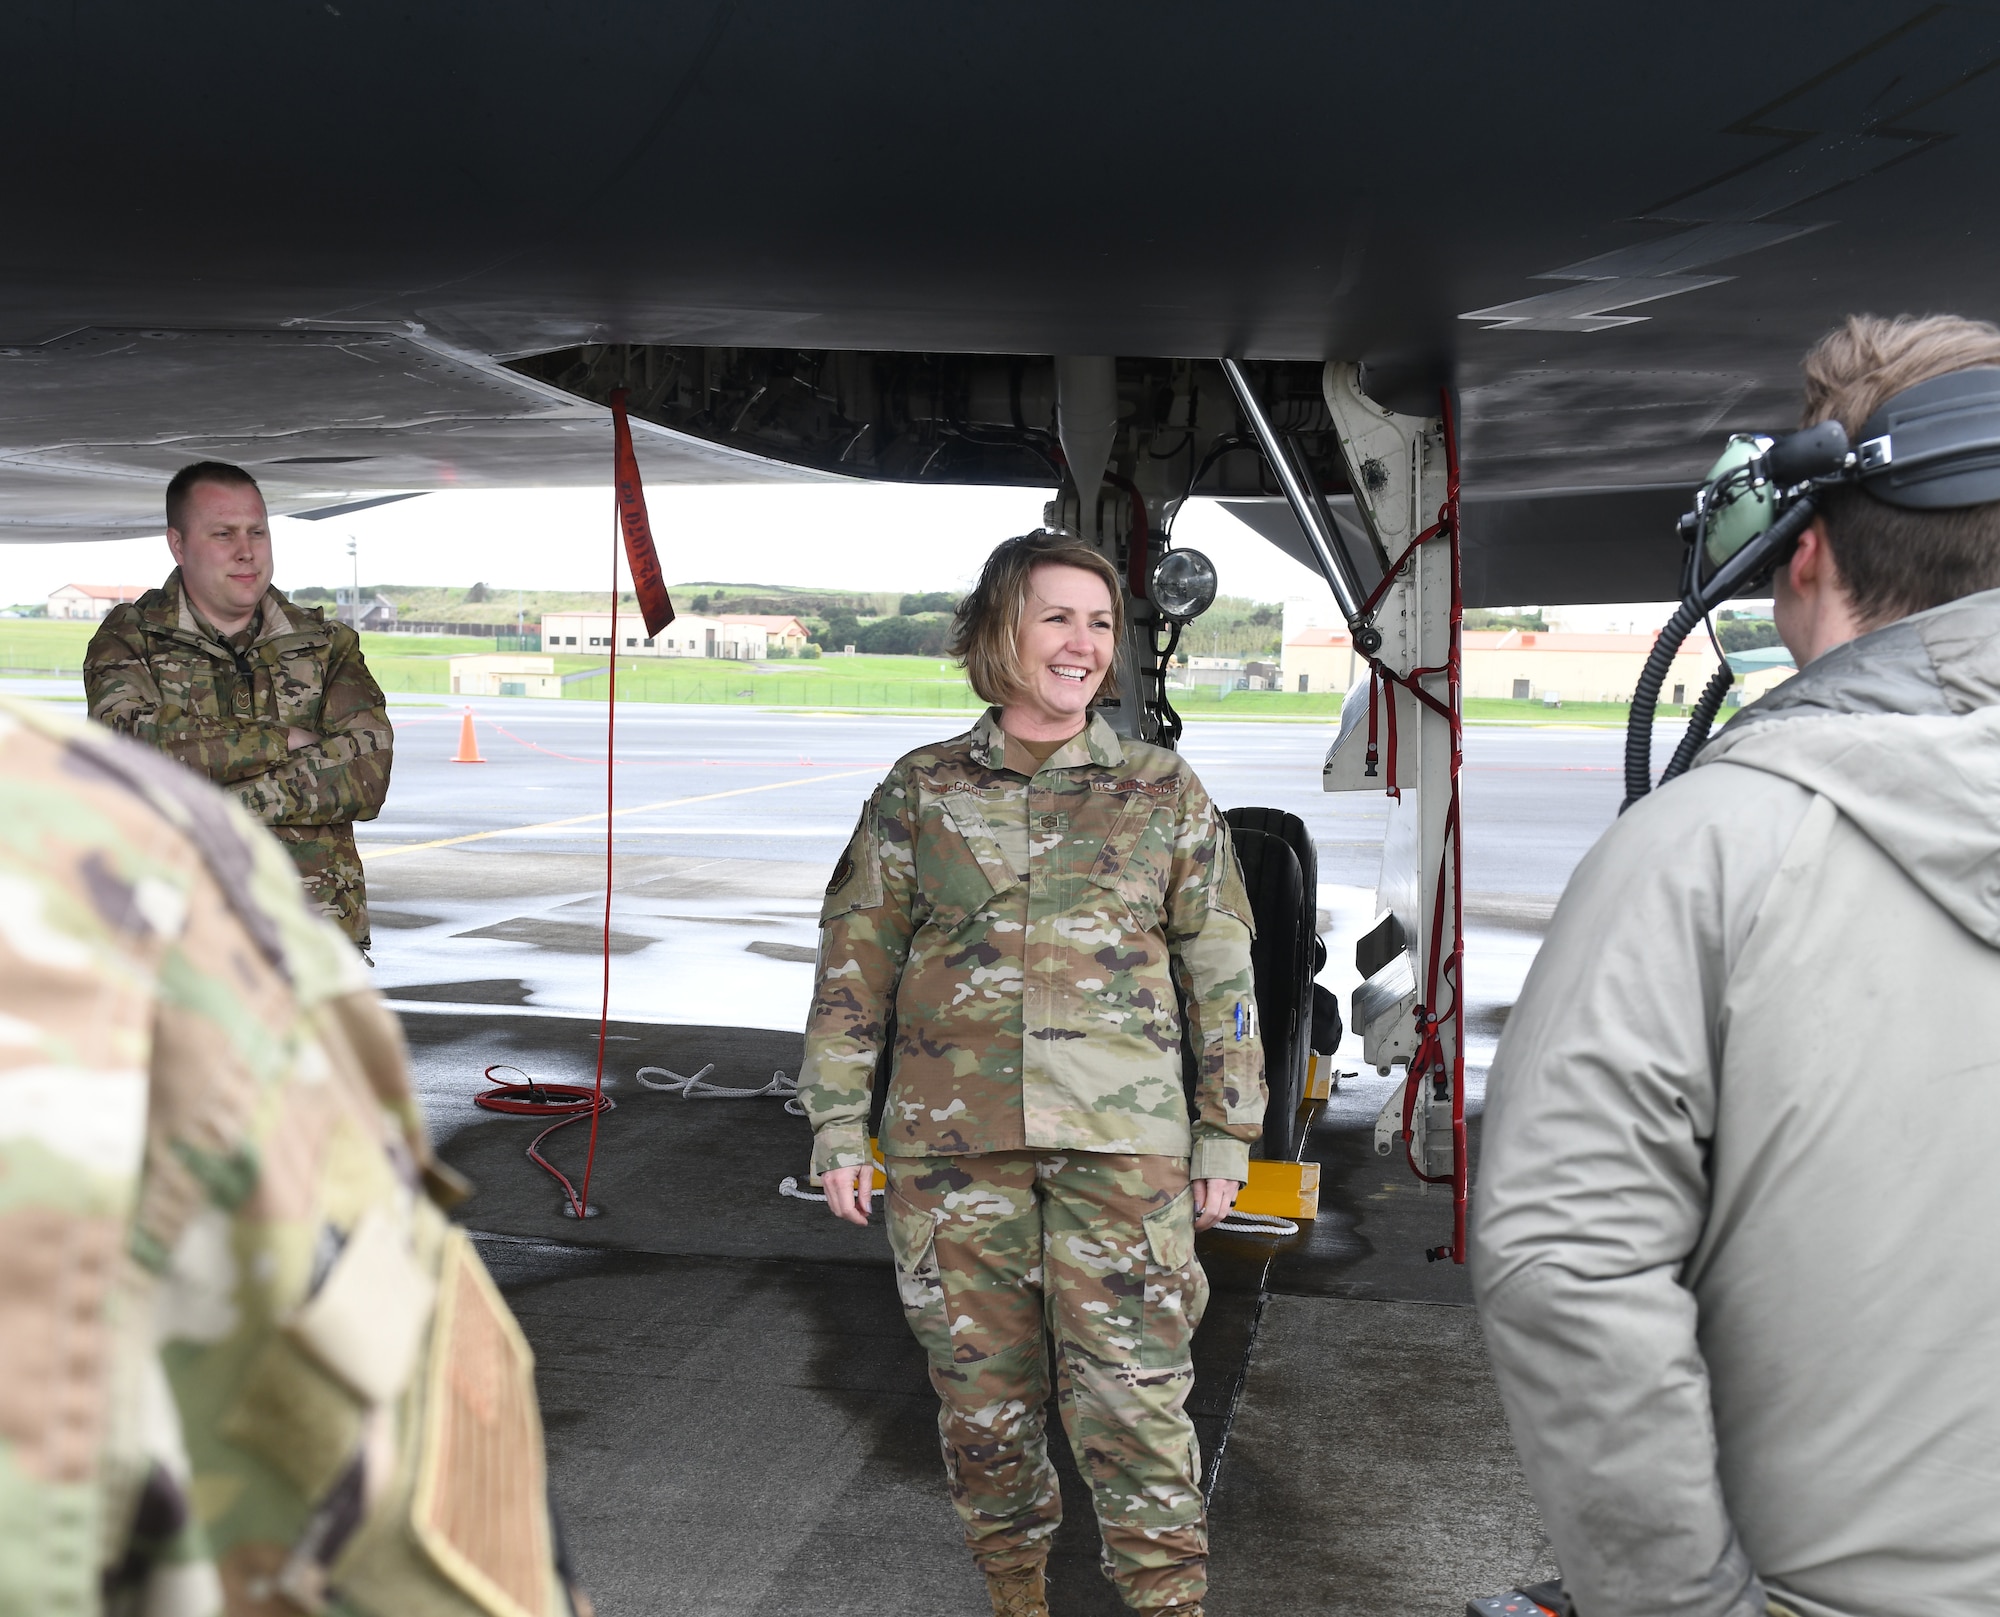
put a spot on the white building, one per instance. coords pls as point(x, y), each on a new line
point(1215, 673)
point(581, 633)
point(504, 674)
point(91, 601)
point(378, 616)
point(784, 634)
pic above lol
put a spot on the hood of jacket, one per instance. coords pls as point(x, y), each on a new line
point(1900, 731)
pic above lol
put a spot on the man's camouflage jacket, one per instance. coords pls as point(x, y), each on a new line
point(1029, 935)
point(235, 1321)
point(158, 672)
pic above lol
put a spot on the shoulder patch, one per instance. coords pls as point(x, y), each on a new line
point(1228, 894)
point(841, 873)
point(856, 882)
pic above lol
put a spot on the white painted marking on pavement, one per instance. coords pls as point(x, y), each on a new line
point(373, 853)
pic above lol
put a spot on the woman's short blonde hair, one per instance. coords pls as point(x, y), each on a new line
point(986, 630)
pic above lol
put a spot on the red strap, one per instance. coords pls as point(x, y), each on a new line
point(645, 565)
point(1443, 992)
point(1394, 789)
point(1374, 685)
point(1375, 596)
point(648, 583)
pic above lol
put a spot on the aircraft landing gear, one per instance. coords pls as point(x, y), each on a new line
point(1400, 732)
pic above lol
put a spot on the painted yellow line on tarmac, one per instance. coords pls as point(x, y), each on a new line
point(584, 819)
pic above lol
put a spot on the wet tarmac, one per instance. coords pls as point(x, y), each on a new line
point(738, 1420)
point(487, 880)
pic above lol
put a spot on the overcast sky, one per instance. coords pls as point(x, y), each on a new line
point(857, 536)
point(843, 536)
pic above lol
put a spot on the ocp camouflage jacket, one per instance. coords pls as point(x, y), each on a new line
point(155, 672)
point(1029, 934)
point(247, 1364)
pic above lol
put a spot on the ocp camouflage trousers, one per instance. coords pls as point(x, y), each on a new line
point(1097, 1251)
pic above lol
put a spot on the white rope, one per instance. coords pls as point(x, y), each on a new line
point(694, 1089)
point(1257, 1224)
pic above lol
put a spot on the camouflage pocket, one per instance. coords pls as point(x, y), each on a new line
point(299, 690)
point(1136, 859)
point(919, 1284)
point(962, 859)
point(187, 687)
point(1176, 1288)
point(463, 1527)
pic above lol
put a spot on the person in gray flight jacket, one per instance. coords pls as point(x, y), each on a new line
point(1730, 1236)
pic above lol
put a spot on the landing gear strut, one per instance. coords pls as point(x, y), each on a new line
point(1400, 732)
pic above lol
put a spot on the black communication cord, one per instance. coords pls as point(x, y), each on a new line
point(1700, 721)
point(1222, 446)
point(1163, 656)
point(1755, 560)
point(1701, 717)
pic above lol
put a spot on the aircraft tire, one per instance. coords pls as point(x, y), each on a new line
point(1280, 873)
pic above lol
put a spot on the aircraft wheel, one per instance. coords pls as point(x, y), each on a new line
point(1280, 873)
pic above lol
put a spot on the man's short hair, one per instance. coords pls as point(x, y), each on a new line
point(985, 632)
point(1896, 561)
point(202, 471)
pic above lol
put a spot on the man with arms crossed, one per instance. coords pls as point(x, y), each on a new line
point(218, 670)
point(1730, 1240)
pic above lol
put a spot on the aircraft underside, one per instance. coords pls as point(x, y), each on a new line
point(1610, 236)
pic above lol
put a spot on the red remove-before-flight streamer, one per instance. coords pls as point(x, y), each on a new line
point(573, 1102)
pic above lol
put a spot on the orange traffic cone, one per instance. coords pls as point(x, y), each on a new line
point(468, 743)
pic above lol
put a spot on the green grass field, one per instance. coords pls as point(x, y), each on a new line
point(420, 665)
point(37, 646)
point(52, 646)
point(895, 683)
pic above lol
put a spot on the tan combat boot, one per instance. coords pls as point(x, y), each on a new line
point(1018, 1594)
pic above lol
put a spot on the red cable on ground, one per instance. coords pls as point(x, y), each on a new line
point(1441, 971)
point(532, 1099)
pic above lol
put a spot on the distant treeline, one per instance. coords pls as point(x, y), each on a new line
point(879, 622)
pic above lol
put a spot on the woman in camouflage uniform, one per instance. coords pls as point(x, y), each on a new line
point(1047, 910)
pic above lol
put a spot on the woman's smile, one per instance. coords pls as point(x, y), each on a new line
point(1066, 645)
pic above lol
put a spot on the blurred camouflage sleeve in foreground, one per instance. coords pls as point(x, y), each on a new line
point(866, 924)
point(242, 1351)
point(345, 774)
point(125, 696)
point(1209, 931)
